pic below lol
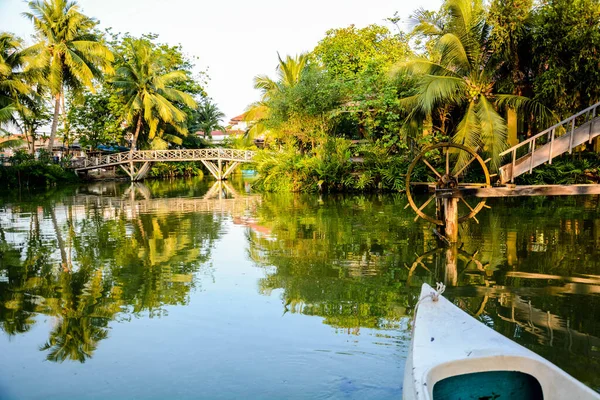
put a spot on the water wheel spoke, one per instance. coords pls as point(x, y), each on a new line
point(470, 208)
point(427, 202)
point(420, 210)
point(467, 204)
point(433, 169)
point(446, 178)
point(464, 167)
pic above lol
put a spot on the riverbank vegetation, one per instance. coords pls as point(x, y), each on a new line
point(349, 115)
point(353, 112)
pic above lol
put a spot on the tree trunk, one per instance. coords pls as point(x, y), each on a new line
point(137, 132)
point(511, 124)
point(54, 123)
point(31, 142)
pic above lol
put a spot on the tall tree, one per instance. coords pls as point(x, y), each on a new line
point(461, 74)
point(565, 49)
point(289, 72)
point(510, 20)
point(71, 53)
point(12, 82)
point(148, 91)
point(207, 118)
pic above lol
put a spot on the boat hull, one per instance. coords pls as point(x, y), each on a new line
point(448, 344)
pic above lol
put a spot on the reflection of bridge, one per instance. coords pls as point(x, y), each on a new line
point(213, 202)
point(220, 162)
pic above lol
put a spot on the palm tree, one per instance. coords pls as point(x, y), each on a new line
point(460, 77)
point(68, 50)
point(12, 83)
point(289, 72)
point(147, 90)
point(208, 118)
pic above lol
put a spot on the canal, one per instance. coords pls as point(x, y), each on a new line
point(181, 289)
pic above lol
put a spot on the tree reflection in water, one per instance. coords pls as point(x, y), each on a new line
point(88, 259)
point(106, 252)
point(530, 269)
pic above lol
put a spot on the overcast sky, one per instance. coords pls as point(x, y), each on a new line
point(234, 40)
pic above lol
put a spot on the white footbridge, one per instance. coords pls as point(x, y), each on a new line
point(136, 164)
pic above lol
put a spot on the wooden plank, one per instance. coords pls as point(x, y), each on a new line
point(518, 191)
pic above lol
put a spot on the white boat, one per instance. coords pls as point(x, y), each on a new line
point(454, 356)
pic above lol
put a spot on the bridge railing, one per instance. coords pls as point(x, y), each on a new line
point(164, 155)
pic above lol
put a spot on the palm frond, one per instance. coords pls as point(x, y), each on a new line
point(435, 90)
point(522, 104)
point(493, 130)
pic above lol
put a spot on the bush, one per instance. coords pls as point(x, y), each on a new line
point(337, 166)
point(32, 173)
point(173, 169)
point(564, 171)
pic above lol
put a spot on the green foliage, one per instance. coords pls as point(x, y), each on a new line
point(511, 23)
point(173, 169)
point(289, 72)
point(564, 171)
point(98, 119)
point(33, 173)
point(12, 80)
point(337, 166)
point(565, 51)
point(349, 53)
point(302, 113)
point(206, 118)
point(67, 50)
point(146, 86)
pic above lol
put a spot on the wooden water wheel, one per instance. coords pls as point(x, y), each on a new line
point(461, 167)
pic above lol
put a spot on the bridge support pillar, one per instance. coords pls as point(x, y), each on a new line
point(137, 174)
point(220, 170)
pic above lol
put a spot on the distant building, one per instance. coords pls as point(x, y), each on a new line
point(238, 123)
point(59, 149)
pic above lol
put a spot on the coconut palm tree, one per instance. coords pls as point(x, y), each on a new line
point(148, 92)
point(289, 72)
point(460, 77)
point(12, 82)
point(68, 50)
point(208, 118)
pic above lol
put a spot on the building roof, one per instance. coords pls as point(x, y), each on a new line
point(237, 119)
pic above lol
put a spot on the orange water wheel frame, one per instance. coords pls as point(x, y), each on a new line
point(458, 160)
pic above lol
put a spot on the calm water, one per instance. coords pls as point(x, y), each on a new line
point(182, 290)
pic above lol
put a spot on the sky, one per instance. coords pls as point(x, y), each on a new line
point(233, 40)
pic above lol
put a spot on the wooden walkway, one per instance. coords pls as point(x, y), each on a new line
point(220, 162)
point(554, 141)
point(517, 191)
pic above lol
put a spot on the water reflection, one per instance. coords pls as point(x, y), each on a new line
point(107, 252)
point(530, 269)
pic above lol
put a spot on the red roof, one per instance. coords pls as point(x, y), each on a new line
point(237, 119)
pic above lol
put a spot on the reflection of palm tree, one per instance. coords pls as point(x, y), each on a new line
point(74, 339)
point(82, 314)
point(60, 241)
point(145, 268)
